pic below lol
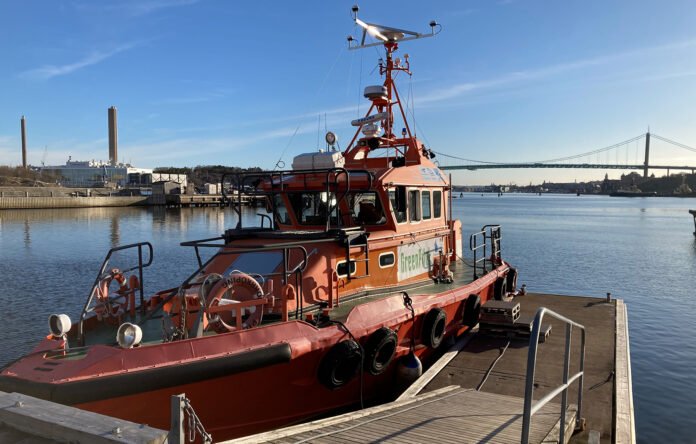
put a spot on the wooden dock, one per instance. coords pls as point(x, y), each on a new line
point(448, 415)
point(444, 405)
point(24, 419)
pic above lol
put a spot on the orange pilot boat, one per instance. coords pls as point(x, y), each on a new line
point(353, 276)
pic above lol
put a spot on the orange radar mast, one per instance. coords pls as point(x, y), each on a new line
point(384, 97)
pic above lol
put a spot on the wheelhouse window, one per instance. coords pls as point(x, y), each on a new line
point(437, 204)
point(397, 199)
point(282, 214)
point(413, 205)
point(366, 209)
point(425, 204)
point(312, 208)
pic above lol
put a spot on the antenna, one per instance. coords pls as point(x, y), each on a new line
point(386, 34)
point(378, 128)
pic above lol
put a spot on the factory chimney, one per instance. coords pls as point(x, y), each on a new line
point(24, 141)
point(113, 137)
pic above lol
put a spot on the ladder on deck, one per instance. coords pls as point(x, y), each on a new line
point(356, 238)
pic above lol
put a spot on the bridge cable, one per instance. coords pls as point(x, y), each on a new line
point(680, 145)
point(559, 159)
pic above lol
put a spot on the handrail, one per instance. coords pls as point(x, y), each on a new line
point(495, 236)
point(242, 181)
point(100, 276)
point(531, 407)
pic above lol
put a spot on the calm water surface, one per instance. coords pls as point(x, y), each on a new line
point(640, 249)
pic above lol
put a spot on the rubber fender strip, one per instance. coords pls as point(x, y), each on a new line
point(107, 387)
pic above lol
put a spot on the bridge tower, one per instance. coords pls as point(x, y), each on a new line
point(647, 154)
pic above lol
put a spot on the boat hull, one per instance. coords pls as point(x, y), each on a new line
point(246, 381)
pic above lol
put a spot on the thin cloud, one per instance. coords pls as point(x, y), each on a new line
point(49, 71)
point(210, 148)
point(512, 78)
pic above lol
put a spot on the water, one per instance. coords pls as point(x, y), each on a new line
point(641, 250)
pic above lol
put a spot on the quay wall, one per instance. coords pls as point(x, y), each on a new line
point(57, 197)
point(32, 202)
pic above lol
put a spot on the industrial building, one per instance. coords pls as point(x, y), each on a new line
point(93, 173)
point(97, 173)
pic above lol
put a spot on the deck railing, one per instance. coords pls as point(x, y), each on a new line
point(103, 273)
point(479, 243)
point(531, 407)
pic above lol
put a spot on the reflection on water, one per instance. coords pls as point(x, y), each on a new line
point(50, 258)
point(641, 250)
point(27, 234)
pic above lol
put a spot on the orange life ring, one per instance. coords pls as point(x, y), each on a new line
point(107, 307)
point(232, 283)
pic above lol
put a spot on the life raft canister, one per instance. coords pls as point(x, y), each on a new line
point(340, 364)
point(472, 310)
point(434, 327)
point(379, 350)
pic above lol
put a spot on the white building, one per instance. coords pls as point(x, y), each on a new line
point(94, 173)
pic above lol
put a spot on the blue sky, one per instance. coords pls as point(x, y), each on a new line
point(221, 82)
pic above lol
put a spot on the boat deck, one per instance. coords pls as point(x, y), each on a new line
point(462, 273)
point(105, 333)
point(444, 406)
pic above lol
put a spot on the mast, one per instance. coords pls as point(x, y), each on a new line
point(389, 38)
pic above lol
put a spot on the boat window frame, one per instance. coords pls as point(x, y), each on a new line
point(430, 205)
point(353, 268)
point(391, 207)
point(439, 201)
point(379, 206)
point(275, 207)
point(387, 253)
point(417, 206)
point(333, 218)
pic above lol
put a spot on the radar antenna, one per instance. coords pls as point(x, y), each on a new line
point(386, 33)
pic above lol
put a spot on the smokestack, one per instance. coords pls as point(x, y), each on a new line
point(113, 137)
point(24, 141)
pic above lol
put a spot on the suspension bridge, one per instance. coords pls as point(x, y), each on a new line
point(621, 156)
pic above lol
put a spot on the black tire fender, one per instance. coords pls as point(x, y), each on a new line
point(380, 350)
point(512, 280)
point(500, 288)
point(340, 364)
point(472, 310)
point(434, 327)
